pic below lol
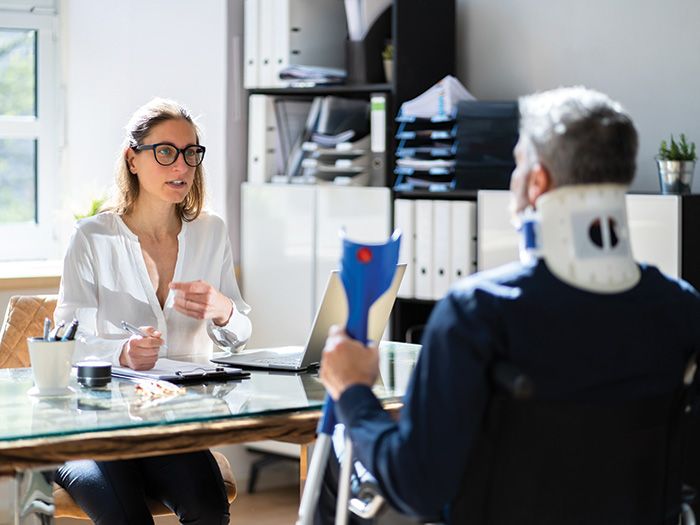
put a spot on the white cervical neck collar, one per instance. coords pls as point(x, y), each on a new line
point(581, 232)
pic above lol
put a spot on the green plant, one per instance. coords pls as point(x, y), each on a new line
point(94, 208)
point(388, 53)
point(677, 150)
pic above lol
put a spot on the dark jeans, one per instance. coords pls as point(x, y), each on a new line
point(113, 492)
point(325, 510)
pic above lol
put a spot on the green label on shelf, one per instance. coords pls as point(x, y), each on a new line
point(378, 104)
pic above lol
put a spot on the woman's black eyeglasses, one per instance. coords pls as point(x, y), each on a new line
point(166, 154)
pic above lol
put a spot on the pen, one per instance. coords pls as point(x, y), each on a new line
point(47, 328)
point(131, 328)
point(69, 334)
point(54, 333)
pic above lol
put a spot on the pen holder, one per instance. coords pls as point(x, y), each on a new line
point(51, 366)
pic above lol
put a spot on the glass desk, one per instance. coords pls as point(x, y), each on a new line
point(116, 422)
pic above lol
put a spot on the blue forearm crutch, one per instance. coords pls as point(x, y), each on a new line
point(366, 272)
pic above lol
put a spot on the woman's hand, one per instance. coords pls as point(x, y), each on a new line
point(200, 300)
point(141, 353)
point(347, 362)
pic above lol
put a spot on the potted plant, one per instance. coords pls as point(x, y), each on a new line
point(388, 60)
point(676, 164)
point(95, 206)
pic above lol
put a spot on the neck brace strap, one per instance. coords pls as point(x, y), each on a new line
point(581, 232)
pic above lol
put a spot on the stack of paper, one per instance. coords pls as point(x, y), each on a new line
point(334, 144)
point(323, 139)
point(345, 163)
point(420, 164)
point(305, 75)
point(439, 100)
point(427, 137)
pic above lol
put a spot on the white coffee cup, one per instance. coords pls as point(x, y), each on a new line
point(51, 366)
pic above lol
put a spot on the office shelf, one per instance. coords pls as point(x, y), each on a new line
point(331, 89)
point(418, 63)
point(422, 34)
point(469, 195)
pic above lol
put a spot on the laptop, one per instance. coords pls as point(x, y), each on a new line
point(332, 310)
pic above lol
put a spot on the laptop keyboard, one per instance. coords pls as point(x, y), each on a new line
point(291, 361)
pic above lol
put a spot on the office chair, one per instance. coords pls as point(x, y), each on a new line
point(549, 462)
point(25, 318)
point(546, 463)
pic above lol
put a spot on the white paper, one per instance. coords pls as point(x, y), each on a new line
point(439, 100)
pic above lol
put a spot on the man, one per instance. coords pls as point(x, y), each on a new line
point(580, 317)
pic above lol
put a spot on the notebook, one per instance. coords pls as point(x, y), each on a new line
point(332, 310)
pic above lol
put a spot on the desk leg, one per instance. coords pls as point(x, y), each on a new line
point(31, 499)
point(304, 458)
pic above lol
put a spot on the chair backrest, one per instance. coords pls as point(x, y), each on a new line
point(576, 463)
point(24, 318)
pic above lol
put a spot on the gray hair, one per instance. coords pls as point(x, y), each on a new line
point(580, 136)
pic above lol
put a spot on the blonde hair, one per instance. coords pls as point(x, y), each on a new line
point(126, 184)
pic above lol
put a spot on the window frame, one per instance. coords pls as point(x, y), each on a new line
point(37, 240)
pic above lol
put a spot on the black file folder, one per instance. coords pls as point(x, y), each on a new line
point(180, 372)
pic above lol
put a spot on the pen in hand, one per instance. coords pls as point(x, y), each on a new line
point(131, 328)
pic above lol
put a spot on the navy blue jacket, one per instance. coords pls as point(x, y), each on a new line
point(575, 345)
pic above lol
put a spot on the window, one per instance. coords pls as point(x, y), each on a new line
point(28, 132)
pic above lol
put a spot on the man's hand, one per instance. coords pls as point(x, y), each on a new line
point(347, 362)
point(141, 353)
point(200, 300)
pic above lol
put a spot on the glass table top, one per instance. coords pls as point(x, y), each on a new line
point(120, 405)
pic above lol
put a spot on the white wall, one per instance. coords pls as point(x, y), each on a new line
point(116, 57)
point(642, 53)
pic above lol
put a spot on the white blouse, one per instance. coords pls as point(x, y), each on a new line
point(105, 281)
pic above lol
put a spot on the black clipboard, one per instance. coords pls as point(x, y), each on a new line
point(180, 372)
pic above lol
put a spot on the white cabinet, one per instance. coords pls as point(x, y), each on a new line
point(277, 239)
point(496, 238)
point(655, 231)
point(661, 228)
point(289, 245)
point(364, 213)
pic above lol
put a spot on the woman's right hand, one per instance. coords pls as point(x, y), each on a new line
point(141, 353)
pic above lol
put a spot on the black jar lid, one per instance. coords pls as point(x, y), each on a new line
point(94, 373)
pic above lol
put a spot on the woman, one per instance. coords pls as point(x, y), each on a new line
point(153, 258)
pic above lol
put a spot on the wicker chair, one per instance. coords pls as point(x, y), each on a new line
point(25, 318)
